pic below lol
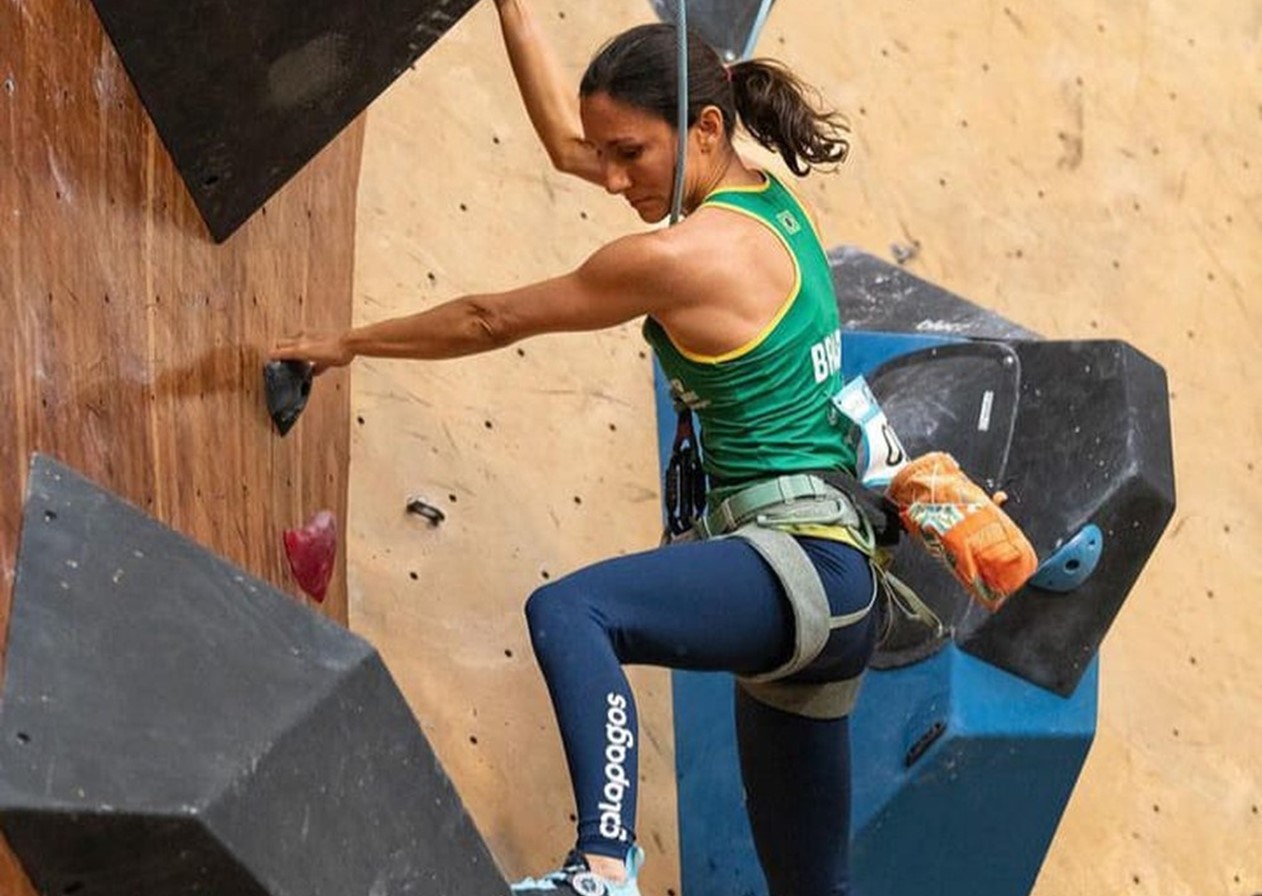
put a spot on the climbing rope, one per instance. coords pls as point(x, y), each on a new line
point(759, 21)
point(681, 147)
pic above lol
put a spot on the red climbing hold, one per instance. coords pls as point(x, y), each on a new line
point(311, 550)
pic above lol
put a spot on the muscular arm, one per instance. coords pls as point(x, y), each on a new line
point(630, 277)
point(550, 103)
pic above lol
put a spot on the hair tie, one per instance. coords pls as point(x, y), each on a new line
point(727, 73)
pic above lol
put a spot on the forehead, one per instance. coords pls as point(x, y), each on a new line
point(607, 120)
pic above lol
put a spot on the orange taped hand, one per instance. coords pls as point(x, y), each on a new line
point(963, 527)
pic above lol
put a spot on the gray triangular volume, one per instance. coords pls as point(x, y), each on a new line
point(875, 295)
point(171, 724)
point(729, 26)
point(244, 93)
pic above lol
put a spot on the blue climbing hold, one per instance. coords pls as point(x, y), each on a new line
point(1072, 563)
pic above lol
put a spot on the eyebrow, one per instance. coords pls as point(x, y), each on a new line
point(614, 144)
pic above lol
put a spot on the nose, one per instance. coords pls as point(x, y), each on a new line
point(616, 179)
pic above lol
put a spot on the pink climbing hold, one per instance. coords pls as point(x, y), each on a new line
point(311, 551)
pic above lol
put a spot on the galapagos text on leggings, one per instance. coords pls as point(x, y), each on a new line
point(619, 741)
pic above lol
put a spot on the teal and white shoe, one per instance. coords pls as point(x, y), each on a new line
point(575, 878)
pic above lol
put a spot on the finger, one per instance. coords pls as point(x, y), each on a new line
point(287, 348)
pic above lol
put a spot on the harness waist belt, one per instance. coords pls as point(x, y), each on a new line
point(792, 499)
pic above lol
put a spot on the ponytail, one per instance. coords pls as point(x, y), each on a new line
point(775, 108)
point(639, 67)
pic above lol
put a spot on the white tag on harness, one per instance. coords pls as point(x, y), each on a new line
point(880, 453)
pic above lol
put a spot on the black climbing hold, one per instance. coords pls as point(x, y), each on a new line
point(170, 724)
point(423, 508)
point(288, 384)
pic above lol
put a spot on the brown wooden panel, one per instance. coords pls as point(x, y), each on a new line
point(132, 345)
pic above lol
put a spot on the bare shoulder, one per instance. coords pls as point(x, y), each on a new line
point(726, 245)
point(715, 239)
point(660, 261)
point(711, 256)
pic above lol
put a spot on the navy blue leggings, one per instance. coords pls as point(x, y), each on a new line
point(710, 606)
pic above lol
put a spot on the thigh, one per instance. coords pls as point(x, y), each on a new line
point(848, 581)
point(711, 605)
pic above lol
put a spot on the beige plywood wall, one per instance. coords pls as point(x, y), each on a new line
point(1090, 170)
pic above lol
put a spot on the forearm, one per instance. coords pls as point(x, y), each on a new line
point(451, 330)
point(550, 102)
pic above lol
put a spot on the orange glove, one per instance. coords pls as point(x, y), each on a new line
point(960, 525)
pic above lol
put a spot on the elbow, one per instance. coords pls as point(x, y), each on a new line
point(489, 328)
point(561, 164)
point(569, 156)
point(562, 161)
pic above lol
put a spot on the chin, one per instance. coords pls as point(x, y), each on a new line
point(651, 214)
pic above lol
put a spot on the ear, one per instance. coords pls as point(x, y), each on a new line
point(708, 127)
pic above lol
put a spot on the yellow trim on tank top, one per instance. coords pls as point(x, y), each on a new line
point(752, 188)
point(768, 177)
point(780, 312)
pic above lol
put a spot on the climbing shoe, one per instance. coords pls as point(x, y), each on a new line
point(576, 877)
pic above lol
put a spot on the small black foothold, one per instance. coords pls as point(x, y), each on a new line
point(288, 385)
point(423, 508)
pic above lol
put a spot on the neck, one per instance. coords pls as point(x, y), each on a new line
point(727, 171)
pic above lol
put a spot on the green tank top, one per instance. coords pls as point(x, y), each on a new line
point(766, 407)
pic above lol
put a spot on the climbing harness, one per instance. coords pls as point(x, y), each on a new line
point(813, 623)
point(764, 514)
point(797, 499)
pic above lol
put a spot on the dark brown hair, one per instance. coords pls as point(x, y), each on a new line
point(639, 67)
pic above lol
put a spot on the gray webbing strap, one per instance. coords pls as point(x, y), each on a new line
point(824, 700)
point(805, 592)
point(812, 623)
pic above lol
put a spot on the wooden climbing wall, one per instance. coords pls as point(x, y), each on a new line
point(132, 346)
point(1087, 169)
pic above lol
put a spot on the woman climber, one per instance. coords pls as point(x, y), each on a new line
point(775, 584)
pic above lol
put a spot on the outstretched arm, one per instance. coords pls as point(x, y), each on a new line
point(550, 102)
point(630, 277)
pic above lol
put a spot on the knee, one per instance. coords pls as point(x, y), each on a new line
point(550, 612)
